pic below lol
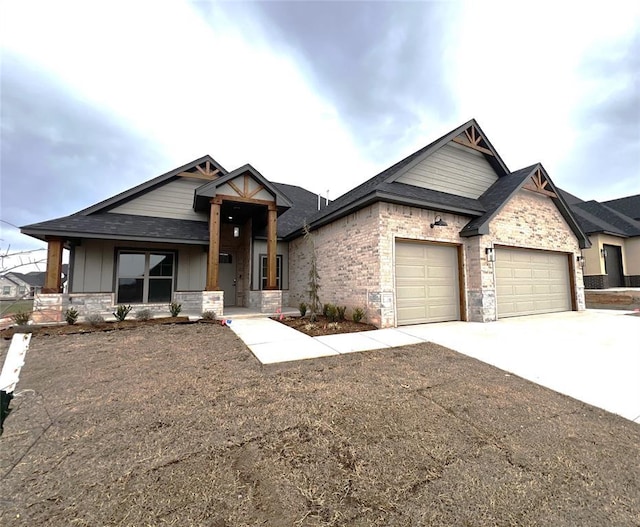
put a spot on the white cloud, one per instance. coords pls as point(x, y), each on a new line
point(191, 88)
point(519, 71)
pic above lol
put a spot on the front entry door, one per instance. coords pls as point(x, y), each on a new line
point(613, 265)
point(227, 278)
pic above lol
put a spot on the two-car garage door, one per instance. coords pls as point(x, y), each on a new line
point(531, 282)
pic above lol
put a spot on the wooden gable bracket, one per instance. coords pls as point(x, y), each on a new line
point(203, 171)
point(537, 183)
point(474, 140)
point(245, 192)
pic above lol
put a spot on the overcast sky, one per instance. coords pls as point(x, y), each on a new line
point(97, 97)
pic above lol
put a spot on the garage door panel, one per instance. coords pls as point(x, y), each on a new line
point(426, 283)
point(413, 271)
point(531, 282)
point(411, 293)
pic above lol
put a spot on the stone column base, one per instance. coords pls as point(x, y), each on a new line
point(265, 301)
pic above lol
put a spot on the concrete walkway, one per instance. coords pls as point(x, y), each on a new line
point(593, 356)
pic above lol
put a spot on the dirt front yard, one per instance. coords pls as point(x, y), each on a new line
point(180, 425)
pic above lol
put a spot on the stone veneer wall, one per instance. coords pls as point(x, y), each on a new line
point(50, 308)
point(266, 301)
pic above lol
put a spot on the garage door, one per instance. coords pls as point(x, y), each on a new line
point(426, 283)
point(531, 282)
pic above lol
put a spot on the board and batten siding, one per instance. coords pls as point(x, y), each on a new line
point(172, 200)
point(94, 265)
point(454, 169)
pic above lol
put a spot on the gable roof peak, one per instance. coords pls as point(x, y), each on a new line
point(204, 167)
point(469, 135)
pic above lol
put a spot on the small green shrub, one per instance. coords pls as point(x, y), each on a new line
point(144, 314)
point(303, 308)
point(325, 308)
point(121, 312)
point(175, 308)
point(208, 315)
point(71, 316)
point(357, 315)
point(21, 318)
point(341, 311)
point(331, 312)
point(95, 319)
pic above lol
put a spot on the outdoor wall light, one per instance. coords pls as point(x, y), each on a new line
point(491, 254)
point(580, 260)
point(439, 222)
point(603, 252)
point(236, 232)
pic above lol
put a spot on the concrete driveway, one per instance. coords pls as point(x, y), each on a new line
point(593, 356)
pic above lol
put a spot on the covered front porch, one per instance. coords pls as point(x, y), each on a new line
point(232, 260)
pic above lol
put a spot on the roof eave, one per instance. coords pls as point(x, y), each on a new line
point(41, 235)
point(377, 196)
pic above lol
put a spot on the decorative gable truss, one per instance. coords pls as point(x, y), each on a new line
point(538, 183)
point(472, 138)
point(204, 170)
point(246, 188)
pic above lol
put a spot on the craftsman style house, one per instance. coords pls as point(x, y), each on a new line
point(448, 233)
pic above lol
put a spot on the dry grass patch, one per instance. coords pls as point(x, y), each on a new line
point(180, 425)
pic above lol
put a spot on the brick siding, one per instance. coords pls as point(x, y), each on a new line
point(356, 254)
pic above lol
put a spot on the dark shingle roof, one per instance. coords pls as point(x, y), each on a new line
point(122, 226)
point(384, 187)
point(629, 206)
point(570, 199)
point(304, 204)
point(494, 198)
point(602, 218)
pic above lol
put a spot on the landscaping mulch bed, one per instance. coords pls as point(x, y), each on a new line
point(322, 326)
point(70, 329)
point(180, 425)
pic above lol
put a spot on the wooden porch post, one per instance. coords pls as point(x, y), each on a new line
point(213, 264)
point(53, 276)
point(272, 240)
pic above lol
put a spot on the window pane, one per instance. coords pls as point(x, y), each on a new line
point(160, 290)
point(130, 290)
point(263, 271)
point(6, 290)
point(131, 265)
point(161, 265)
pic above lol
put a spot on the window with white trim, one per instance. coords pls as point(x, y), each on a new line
point(263, 271)
point(6, 290)
point(22, 290)
point(145, 277)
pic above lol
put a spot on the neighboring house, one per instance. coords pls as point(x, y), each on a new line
point(15, 285)
point(613, 227)
point(25, 285)
point(448, 233)
point(12, 288)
